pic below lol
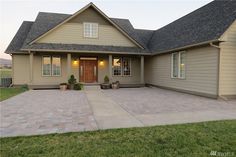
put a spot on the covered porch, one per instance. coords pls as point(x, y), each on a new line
point(88, 68)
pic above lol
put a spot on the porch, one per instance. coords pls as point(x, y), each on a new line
point(89, 69)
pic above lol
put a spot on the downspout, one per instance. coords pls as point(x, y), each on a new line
point(218, 79)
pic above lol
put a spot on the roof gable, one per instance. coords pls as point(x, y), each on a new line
point(73, 18)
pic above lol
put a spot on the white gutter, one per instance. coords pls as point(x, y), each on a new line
point(216, 46)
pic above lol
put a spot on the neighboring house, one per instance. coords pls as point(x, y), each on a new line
point(194, 54)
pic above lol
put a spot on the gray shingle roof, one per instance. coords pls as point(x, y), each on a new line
point(43, 23)
point(46, 21)
point(204, 24)
point(19, 38)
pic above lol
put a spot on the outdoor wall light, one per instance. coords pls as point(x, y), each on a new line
point(75, 62)
point(101, 62)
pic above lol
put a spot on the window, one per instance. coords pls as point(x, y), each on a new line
point(46, 66)
point(116, 66)
point(56, 66)
point(121, 66)
point(90, 30)
point(178, 65)
point(51, 66)
point(175, 67)
point(126, 66)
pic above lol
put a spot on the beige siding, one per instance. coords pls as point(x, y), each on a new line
point(20, 69)
point(201, 71)
point(72, 33)
point(90, 15)
point(228, 62)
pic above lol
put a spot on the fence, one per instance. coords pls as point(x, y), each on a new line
point(5, 82)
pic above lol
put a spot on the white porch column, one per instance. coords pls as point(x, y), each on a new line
point(68, 65)
point(31, 60)
point(110, 67)
point(142, 70)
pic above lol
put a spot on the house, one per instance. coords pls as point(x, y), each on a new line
point(194, 54)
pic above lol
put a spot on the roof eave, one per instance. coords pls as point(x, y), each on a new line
point(87, 51)
point(187, 47)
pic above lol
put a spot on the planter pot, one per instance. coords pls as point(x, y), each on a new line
point(115, 85)
point(71, 86)
point(105, 86)
point(63, 87)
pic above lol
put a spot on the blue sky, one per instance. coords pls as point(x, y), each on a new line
point(143, 14)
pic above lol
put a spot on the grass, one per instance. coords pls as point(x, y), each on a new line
point(6, 93)
point(5, 73)
point(195, 140)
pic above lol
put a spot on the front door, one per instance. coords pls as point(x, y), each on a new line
point(88, 71)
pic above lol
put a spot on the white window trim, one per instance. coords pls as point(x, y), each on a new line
point(130, 67)
point(172, 69)
point(90, 30)
point(52, 66)
point(122, 73)
point(120, 67)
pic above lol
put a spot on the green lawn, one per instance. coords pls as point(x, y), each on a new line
point(6, 93)
point(190, 140)
point(5, 73)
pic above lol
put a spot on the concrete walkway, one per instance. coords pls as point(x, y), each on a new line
point(107, 113)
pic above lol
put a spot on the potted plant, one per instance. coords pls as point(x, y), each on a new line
point(77, 86)
point(106, 84)
point(72, 82)
point(63, 86)
point(106, 79)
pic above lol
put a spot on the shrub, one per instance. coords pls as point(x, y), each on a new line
point(77, 86)
point(72, 80)
point(106, 79)
point(25, 87)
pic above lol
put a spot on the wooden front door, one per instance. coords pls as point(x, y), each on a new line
point(88, 71)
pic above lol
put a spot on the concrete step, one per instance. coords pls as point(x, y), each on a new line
point(92, 87)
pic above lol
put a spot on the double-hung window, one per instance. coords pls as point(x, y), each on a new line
point(116, 66)
point(126, 66)
point(46, 66)
point(178, 65)
point(91, 30)
point(121, 66)
point(56, 66)
point(51, 66)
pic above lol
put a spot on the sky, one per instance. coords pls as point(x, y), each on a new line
point(143, 14)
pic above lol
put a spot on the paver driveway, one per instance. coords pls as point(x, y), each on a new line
point(46, 111)
point(155, 106)
point(51, 111)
